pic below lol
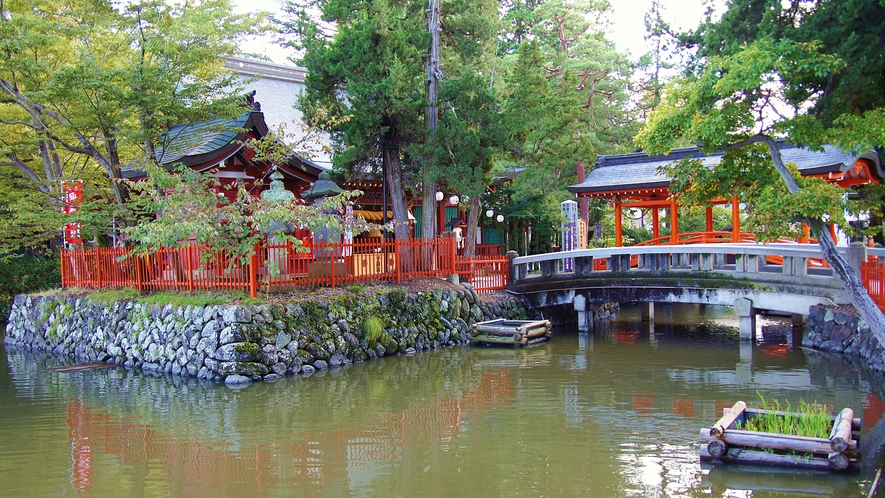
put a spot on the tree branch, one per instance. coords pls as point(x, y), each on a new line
point(774, 150)
point(15, 161)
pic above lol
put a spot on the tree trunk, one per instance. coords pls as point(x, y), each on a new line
point(431, 90)
point(395, 184)
point(860, 298)
point(472, 224)
point(428, 211)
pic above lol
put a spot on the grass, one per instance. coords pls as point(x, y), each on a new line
point(806, 419)
point(111, 296)
point(373, 327)
point(207, 298)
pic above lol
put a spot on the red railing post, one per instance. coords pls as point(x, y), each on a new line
point(188, 253)
point(64, 273)
point(98, 268)
point(253, 272)
point(396, 259)
point(333, 261)
point(139, 267)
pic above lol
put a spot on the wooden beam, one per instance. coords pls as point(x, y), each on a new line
point(663, 203)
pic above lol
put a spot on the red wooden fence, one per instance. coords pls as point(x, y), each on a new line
point(872, 273)
point(279, 267)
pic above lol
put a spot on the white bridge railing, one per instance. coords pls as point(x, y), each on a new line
point(742, 260)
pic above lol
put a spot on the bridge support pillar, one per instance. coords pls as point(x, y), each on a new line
point(743, 308)
point(585, 311)
point(647, 312)
point(743, 370)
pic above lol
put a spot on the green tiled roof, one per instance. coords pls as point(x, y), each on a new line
point(206, 142)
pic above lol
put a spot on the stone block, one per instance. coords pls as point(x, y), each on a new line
point(242, 368)
point(238, 352)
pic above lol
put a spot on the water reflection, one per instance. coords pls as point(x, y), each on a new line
point(613, 413)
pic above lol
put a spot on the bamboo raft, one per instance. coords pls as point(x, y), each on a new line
point(727, 444)
point(511, 332)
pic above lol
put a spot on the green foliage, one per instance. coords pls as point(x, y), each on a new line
point(722, 107)
point(793, 78)
point(191, 211)
point(398, 297)
point(375, 52)
point(90, 86)
point(470, 134)
point(843, 99)
point(25, 275)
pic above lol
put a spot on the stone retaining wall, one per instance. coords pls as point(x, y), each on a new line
point(240, 344)
point(842, 330)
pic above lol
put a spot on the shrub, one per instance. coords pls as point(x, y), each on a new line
point(27, 274)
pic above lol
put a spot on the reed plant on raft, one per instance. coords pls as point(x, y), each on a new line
point(806, 419)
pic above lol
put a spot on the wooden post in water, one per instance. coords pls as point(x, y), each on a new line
point(736, 411)
point(840, 437)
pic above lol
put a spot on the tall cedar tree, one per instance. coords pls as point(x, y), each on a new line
point(470, 136)
point(467, 147)
point(370, 66)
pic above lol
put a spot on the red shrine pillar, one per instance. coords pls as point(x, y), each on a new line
point(674, 222)
point(709, 218)
point(656, 224)
point(806, 234)
point(619, 230)
point(735, 220)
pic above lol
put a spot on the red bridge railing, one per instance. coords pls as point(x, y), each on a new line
point(280, 267)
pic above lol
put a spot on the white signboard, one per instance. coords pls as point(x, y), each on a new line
point(569, 232)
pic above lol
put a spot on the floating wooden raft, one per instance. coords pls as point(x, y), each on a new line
point(83, 366)
point(727, 444)
point(513, 332)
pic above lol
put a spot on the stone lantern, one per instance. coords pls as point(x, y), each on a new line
point(327, 263)
point(278, 194)
point(322, 188)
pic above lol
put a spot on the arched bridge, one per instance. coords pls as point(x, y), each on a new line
point(779, 278)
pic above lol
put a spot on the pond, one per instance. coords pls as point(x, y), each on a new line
point(612, 413)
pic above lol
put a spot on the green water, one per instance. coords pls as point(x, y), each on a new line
point(613, 413)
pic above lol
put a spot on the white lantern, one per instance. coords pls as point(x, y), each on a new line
point(453, 199)
point(439, 196)
point(490, 213)
point(500, 218)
